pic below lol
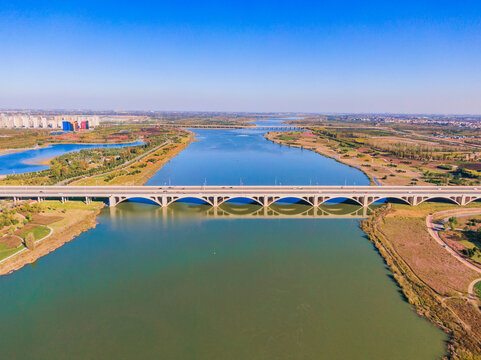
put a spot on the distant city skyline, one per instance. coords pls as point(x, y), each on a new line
point(411, 57)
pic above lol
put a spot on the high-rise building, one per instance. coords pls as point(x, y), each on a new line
point(19, 120)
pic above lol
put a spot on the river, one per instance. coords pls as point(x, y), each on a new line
point(188, 282)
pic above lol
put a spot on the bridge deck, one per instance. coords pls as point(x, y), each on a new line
point(264, 195)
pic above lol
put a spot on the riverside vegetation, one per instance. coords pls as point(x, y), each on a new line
point(88, 162)
point(32, 230)
point(389, 158)
point(17, 139)
point(432, 280)
point(463, 234)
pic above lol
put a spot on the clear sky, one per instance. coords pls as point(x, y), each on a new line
point(309, 56)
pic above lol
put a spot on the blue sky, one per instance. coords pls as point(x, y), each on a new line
point(308, 56)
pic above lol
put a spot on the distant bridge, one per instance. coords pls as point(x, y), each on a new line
point(283, 128)
point(262, 195)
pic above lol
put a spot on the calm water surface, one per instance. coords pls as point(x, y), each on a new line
point(188, 282)
point(235, 157)
point(26, 161)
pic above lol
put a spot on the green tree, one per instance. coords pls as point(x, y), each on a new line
point(30, 241)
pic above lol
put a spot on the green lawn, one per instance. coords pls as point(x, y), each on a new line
point(477, 289)
point(39, 232)
point(6, 252)
point(287, 138)
point(70, 205)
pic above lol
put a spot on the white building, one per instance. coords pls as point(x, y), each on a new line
point(11, 121)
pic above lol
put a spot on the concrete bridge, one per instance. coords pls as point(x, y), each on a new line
point(262, 195)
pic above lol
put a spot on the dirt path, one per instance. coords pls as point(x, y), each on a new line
point(434, 232)
point(471, 287)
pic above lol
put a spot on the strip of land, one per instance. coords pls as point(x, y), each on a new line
point(434, 281)
point(386, 158)
point(138, 172)
point(51, 223)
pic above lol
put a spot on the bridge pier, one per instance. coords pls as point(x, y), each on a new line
point(112, 201)
point(87, 200)
point(63, 200)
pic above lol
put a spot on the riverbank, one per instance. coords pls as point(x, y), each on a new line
point(378, 171)
point(139, 171)
point(80, 142)
point(68, 221)
point(73, 218)
point(434, 282)
point(73, 162)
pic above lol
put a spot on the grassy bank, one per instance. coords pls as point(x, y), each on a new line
point(66, 220)
point(433, 282)
point(477, 289)
point(90, 162)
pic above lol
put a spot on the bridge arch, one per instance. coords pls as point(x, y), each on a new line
point(227, 199)
point(301, 199)
point(444, 198)
point(147, 199)
point(471, 200)
point(353, 199)
point(387, 198)
point(203, 199)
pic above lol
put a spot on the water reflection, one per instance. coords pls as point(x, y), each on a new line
point(237, 210)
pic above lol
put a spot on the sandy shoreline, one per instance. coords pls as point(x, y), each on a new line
point(39, 161)
point(13, 151)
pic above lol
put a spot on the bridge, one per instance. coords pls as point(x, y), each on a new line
point(262, 195)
